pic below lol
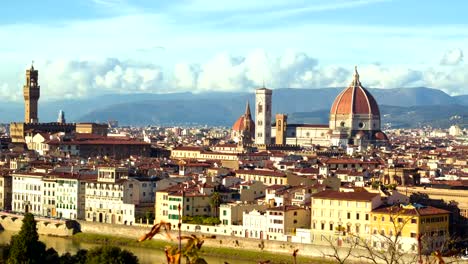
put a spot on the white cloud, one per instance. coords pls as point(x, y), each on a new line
point(72, 78)
point(452, 57)
point(225, 72)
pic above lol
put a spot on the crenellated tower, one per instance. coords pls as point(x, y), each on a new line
point(31, 91)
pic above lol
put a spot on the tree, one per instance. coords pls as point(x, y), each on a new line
point(339, 252)
point(215, 202)
point(110, 255)
point(26, 247)
point(390, 251)
point(78, 258)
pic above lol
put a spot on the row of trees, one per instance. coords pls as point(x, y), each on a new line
point(25, 248)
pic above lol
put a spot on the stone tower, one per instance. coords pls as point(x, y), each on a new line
point(31, 91)
point(281, 124)
point(61, 117)
point(263, 116)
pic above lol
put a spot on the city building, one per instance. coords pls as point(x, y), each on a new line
point(409, 222)
point(263, 116)
point(336, 213)
point(27, 194)
point(108, 199)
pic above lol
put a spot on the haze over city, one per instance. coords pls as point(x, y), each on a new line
point(93, 47)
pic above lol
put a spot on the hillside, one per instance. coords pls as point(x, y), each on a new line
point(216, 108)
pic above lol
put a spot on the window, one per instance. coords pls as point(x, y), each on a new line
point(367, 217)
point(331, 227)
point(413, 221)
point(413, 234)
point(224, 212)
point(349, 215)
point(357, 216)
point(323, 226)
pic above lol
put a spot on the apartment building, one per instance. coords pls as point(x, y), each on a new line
point(267, 177)
point(409, 221)
point(106, 200)
point(27, 194)
point(340, 213)
point(70, 195)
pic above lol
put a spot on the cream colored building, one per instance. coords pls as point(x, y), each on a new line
point(254, 224)
point(70, 196)
point(267, 177)
point(37, 143)
point(276, 223)
point(340, 213)
point(107, 199)
point(27, 194)
point(49, 196)
point(232, 213)
point(283, 221)
point(192, 203)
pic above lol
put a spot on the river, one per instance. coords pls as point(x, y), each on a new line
point(145, 255)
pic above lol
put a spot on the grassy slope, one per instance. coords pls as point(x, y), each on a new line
point(228, 253)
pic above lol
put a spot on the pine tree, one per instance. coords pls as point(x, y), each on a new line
point(25, 247)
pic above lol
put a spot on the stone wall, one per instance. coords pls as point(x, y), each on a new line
point(217, 240)
point(45, 226)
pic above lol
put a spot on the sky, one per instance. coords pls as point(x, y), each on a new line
point(84, 48)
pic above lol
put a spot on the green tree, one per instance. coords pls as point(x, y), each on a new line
point(110, 255)
point(215, 202)
point(25, 248)
point(78, 258)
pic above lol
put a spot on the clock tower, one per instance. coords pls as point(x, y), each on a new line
point(31, 91)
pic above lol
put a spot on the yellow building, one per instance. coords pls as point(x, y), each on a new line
point(92, 128)
point(336, 213)
point(191, 203)
point(267, 177)
point(409, 222)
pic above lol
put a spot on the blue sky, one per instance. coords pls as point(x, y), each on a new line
point(87, 47)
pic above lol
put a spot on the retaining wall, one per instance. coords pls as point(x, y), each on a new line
point(45, 226)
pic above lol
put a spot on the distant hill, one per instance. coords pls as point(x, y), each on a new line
point(462, 99)
point(438, 116)
point(217, 108)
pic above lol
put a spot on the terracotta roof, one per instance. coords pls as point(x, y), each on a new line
point(424, 210)
point(355, 100)
point(347, 196)
point(239, 124)
point(261, 173)
point(188, 148)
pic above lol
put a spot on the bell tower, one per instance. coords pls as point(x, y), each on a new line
point(31, 91)
point(263, 116)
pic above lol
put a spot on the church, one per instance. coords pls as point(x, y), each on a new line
point(354, 120)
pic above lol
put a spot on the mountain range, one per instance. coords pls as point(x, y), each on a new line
point(402, 107)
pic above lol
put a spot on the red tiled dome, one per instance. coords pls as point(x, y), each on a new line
point(355, 100)
point(239, 124)
point(381, 136)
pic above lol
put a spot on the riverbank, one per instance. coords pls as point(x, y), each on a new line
point(221, 252)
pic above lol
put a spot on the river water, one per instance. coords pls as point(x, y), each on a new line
point(145, 255)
